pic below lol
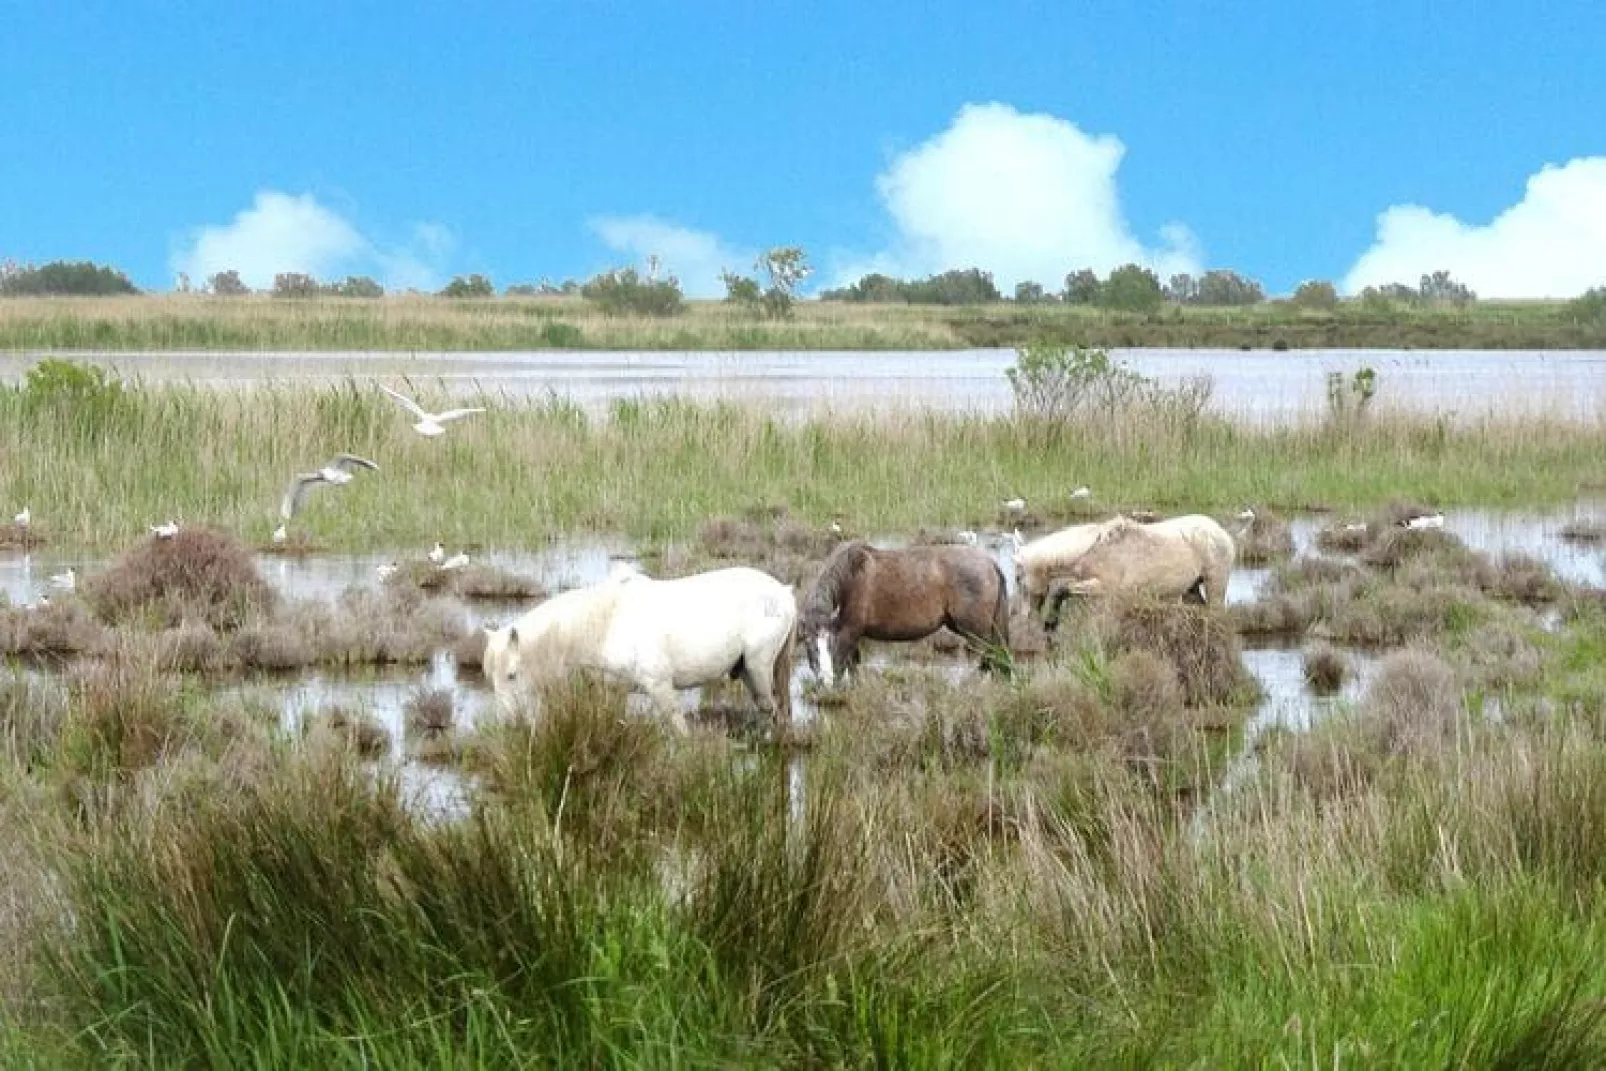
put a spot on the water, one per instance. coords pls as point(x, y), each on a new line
point(1261, 384)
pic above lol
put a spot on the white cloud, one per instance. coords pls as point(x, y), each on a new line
point(1027, 197)
point(285, 233)
point(694, 257)
point(1552, 243)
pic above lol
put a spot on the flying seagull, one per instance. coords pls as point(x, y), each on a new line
point(429, 424)
point(337, 472)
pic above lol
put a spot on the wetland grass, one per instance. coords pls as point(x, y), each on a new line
point(662, 470)
point(416, 322)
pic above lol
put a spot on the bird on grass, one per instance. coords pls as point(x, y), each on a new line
point(456, 561)
point(386, 571)
point(1423, 522)
point(1081, 492)
point(337, 472)
point(67, 581)
point(438, 553)
point(165, 531)
point(969, 538)
point(25, 518)
point(428, 424)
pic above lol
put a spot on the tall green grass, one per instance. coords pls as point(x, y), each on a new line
point(196, 322)
point(97, 475)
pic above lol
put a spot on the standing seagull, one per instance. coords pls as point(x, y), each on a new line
point(437, 553)
point(67, 581)
point(456, 561)
point(165, 531)
point(337, 472)
point(429, 424)
point(25, 518)
point(1081, 492)
point(1418, 523)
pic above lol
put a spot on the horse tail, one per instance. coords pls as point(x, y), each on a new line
point(781, 678)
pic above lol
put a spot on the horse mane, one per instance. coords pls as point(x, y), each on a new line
point(1115, 531)
point(841, 566)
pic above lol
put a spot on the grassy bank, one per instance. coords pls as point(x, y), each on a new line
point(194, 322)
point(96, 471)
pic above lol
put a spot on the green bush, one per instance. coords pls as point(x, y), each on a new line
point(623, 292)
point(468, 286)
point(62, 277)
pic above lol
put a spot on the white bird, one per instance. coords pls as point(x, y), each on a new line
point(67, 581)
point(836, 528)
point(1247, 515)
point(456, 561)
point(970, 539)
point(164, 531)
point(385, 572)
point(1430, 520)
point(1015, 507)
point(438, 554)
point(1358, 526)
point(429, 424)
point(44, 600)
point(1081, 492)
point(25, 518)
point(281, 533)
point(336, 472)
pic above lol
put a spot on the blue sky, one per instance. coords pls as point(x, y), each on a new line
point(419, 141)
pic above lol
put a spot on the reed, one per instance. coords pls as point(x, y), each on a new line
point(97, 476)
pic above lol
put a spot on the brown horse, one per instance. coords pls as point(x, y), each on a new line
point(903, 595)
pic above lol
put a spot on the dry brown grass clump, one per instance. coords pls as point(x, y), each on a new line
point(429, 712)
point(1267, 539)
point(357, 730)
point(473, 581)
point(1500, 655)
point(1523, 578)
point(1325, 668)
point(1200, 646)
point(1413, 704)
point(1345, 537)
point(1273, 614)
point(63, 627)
point(1396, 546)
point(13, 534)
point(199, 573)
point(763, 534)
point(32, 712)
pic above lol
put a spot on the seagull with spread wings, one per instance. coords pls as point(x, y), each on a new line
point(337, 472)
point(429, 424)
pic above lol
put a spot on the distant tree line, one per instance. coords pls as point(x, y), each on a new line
point(626, 291)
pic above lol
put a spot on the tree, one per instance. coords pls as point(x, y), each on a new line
point(1131, 288)
point(1316, 294)
point(357, 286)
point(468, 286)
point(1439, 286)
point(65, 278)
point(1183, 289)
point(227, 284)
point(1221, 287)
point(739, 289)
point(295, 284)
point(1082, 287)
point(1590, 306)
point(786, 266)
point(1030, 293)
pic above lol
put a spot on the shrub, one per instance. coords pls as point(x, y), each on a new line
point(1590, 306)
point(357, 286)
point(227, 284)
point(623, 292)
point(64, 278)
point(1131, 288)
point(1349, 399)
point(1325, 668)
point(1316, 294)
point(468, 286)
point(199, 573)
point(295, 284)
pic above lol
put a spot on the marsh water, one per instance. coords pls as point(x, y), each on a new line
point(1252, 384)
point(383, 694)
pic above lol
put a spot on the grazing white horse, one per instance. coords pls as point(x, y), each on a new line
point(1037, 562)
point(658, 636)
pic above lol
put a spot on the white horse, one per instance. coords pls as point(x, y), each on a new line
point(1037, 562)
point(658, 636)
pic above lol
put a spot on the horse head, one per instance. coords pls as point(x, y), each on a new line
point(500, 662)
point(816, 631)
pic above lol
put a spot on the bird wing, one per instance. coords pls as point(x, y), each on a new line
point(296, 492)
point(454, 414)
point(348, 461)
point(408, 403)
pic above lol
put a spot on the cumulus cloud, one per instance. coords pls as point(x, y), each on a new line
point(1025, 196)
point(1551, 244)
point(281, 232)
point(694, 257)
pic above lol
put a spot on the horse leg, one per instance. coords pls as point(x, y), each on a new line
point(667, 700)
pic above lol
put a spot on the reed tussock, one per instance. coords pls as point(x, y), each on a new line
point(199, 574)
point(1200, 646)
point(64, 627)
